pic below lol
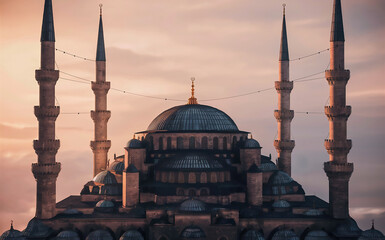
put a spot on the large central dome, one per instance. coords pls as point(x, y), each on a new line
point(193, 117)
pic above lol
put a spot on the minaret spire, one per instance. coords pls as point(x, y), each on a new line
point(338, 169)
point(192, 99)
point(101, 115)
point(284, 145)
point(46, 169)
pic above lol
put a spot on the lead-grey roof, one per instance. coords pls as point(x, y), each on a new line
point(100, 51)
point(99, 235)
point(192, 232)
point(285, 235)
point(284, 51)
point(12, 234)
point(193, 117)
point(47, 29)
point(67, 235)
point(317, 235)
point(105, 177)
point(105, 204)
point(281, 204)
point(193, 205)
point(252, 235)
point(117, 167)
point(372, 234)
point(191, 162)
point(337, 31)
point(280, 178)
point(36, 229)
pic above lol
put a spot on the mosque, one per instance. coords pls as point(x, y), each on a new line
point(193, 174)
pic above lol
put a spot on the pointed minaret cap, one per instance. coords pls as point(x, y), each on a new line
point(100, 52)
point(284, 51)
point(47, 28)
point(337, 32)
point(192, 99)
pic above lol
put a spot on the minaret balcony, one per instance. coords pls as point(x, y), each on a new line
point(337, 75)
point(335, 112)
point(338, 170)
point(46, 75)
point(47, 112)
point(332, 146)
point(46, 146)
point(100, 86)
point(100, 145)
point(41, 170)
point(281, 145)
point(100, 115)
point(284, 114)
point(284, 86)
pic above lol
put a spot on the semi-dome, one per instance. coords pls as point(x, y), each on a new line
point(105, 177)
point(131, 235)
point(348, 228)
point(317, 235)
point(251, 143)
point(280, 178)
point(67, 235)
point(99, 234)
point(193, 117)
point(268, 166)
point(191, 162)
point(252, 235)
point(134, 143)
point(285, 235)
point(117, 167)
point(36, 229)
point(105, 204)
point(193, 205)
point(192, 232)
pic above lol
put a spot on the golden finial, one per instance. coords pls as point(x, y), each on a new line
point(284, 8)
point(100, 6)
point(192, 99)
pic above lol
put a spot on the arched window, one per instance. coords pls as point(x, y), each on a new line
point(225, 143)
point(169, 143)
point(234, 141)
point(203, 177)
point(204, 143)
point(191, 193)
point(215, 143)
point(151, 143)
point(192, 143)
point(179, 143)
point(160, 143)
point(180, 177)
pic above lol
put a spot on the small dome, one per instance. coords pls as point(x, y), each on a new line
point(193, 117)
point(131, 235)
point(285, 235)
point(193, 205)
point(281, 204)
point(69, 235)
point(71, 211)
point(134, 143)
point(280, 178)
point(12, 234)
point(252, 235)
point(251, 143)
point(117, 167)
point(191, 162)
point(99, 235)
point(105, 177)
point(192, 232)
point(105, 204)
point(313, 212)
point(36, 229)
point(372, 234)
point(348, 228)
point(268, 166)
point(317, 235)
point(254, 169)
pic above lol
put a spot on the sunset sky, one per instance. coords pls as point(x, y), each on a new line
point(153, 48)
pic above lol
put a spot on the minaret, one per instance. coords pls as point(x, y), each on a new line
point(284, 115)
point(338, 169)
point(46, 169)
point(100, 145)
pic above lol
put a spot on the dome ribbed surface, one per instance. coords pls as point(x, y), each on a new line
point(131, 235)
point(99, 235)
point(372, 234)
point(117, 167)
point(191, 162)
point(285, 235)
point(280, 178)
point(134, 143)
point(36, 229)
point(193, 117)
point(105, 177)
point(192, 232)
point(348, 228)
point(193, 205)
point(12, 234)
point(313, 212)
point(70, 235)
point(281, 204)
point(268, 166)
point(317, 235)
point(252, 235)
